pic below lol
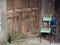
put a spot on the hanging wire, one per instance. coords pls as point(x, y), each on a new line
point(49, 9)
point(30, 3)
point(19, 4)
point(12, 20)
point(12, 5)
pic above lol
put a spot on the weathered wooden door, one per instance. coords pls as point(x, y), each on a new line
point(23, 17)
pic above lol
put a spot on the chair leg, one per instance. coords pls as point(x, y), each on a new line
point(50, 39)
point(40, 37)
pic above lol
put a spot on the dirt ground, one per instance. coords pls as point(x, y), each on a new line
point(32, 41)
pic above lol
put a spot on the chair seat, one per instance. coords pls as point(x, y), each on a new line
point(45, 30)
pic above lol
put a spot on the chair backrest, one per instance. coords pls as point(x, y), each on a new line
point(47, 19)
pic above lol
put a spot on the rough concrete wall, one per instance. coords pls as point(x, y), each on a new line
point(57, 8)
point(3, 32)
point(45, 7)
point(57, 11)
